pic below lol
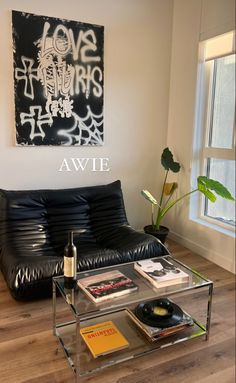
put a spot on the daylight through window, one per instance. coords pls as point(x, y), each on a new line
point(217, 152)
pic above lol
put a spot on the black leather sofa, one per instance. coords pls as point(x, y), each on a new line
point(34, 225)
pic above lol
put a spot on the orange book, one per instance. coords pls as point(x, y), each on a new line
point(103, 338)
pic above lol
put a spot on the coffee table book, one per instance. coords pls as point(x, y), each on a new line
point(156, 333)
point(103, 338)
point(105, 286)
point(161, 275)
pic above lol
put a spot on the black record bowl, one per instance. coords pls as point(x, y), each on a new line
point(145, 312)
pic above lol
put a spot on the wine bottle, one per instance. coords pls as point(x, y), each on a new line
point(70, 262)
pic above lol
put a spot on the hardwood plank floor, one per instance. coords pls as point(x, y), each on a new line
point(29, 353)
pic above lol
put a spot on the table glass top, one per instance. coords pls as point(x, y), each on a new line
point(82, 305)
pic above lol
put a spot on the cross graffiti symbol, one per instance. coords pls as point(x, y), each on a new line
point(27, 73)
point(41, 119)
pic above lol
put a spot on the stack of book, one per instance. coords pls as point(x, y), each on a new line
point(156, 333)
point(105, 286)
point(160, 272)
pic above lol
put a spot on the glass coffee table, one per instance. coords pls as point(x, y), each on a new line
point(73, 310)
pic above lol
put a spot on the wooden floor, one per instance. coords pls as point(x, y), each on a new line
point(29, 352)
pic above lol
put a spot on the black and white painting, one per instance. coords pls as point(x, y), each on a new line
point(58, 81)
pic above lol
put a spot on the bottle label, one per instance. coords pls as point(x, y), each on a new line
point(69, 266)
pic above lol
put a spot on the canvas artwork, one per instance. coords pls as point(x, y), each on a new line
point(58, 81)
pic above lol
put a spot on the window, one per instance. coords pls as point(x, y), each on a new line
point(216, 125)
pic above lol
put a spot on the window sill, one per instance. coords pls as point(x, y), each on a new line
point(210, 225)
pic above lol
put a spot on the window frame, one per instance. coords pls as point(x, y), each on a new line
point(202, 151)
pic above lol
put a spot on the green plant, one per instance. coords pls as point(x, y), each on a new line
point(205, 185)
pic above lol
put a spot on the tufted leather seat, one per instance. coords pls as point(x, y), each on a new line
point(33, 232)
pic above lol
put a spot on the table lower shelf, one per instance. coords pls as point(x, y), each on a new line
point(138, 343)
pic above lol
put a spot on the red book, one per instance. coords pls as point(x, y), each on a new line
point(108, 285)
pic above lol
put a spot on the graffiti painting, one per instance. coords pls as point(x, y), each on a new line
point(58, 81)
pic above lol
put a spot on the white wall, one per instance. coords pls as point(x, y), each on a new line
point(189, 20)
point(217, 17)
point(137, 59)
point(137, 70)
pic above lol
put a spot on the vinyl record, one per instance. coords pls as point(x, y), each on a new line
point(159, 313)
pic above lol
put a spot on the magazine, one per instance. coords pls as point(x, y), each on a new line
point(155, 333)
point(108, 285)
point(160, 272)
point(103, 338)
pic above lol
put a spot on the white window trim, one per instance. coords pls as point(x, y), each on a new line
point(201, 152)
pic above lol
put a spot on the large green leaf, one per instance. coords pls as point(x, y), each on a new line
point(205, 185)
point(168, 162)
point(207, 193)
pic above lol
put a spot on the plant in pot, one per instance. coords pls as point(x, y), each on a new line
point(205, 185)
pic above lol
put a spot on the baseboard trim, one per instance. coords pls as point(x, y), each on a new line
point(212, 256)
